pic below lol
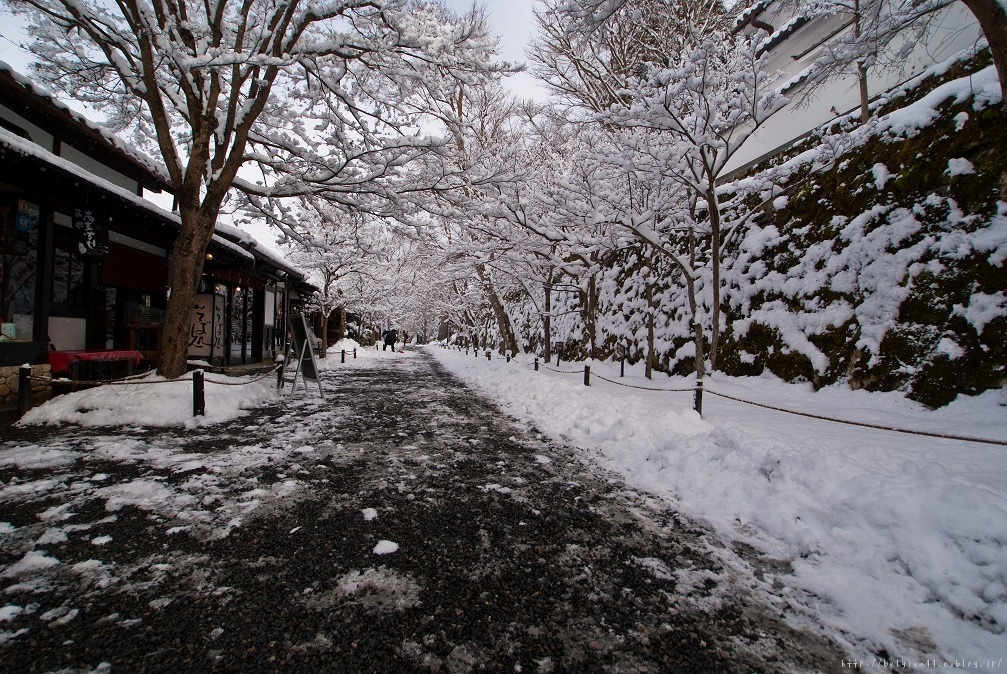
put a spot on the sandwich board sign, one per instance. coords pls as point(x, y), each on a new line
point(304, 354)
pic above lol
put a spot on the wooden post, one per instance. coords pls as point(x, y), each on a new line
point(23, 390)
point(557, 357)
point(198, 394)
point(587, 375)
point(699, 397)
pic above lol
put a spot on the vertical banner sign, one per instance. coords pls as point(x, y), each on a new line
point(217, 346)
point(84, 223)
point(202, 331)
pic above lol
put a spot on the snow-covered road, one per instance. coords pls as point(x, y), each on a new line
point(403, 524)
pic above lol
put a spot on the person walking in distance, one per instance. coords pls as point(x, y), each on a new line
point(390, 337)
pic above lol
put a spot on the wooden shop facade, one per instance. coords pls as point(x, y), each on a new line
point(85, 257)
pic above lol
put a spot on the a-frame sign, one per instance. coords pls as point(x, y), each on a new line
point(303, 354)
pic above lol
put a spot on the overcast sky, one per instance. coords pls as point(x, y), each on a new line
point(510, 20)
point(513, 23)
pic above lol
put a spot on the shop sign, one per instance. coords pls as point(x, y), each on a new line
point(84, 222)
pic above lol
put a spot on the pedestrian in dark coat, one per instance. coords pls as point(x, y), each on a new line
point(390, 338)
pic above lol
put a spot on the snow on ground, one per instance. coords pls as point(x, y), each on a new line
point(155, 401)
point(897, 541)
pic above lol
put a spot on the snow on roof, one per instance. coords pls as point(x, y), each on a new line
point(750, 13)
point(261, 251)
point(784, 32)
point(114, 142)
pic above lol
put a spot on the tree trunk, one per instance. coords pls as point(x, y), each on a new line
point(325, 332)
point(507, 338)
point(649, 364)
point(714, 208)
point(865, 112)
point(547, 318)
point(341, 328)
point(187, 257)
point(591, 320)
point(992, 18)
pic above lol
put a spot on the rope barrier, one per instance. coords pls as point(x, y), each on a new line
point(128, 381)
point(644, 388)
point(243, 383)
point(546, 367)
point(106, 382)
point(944, 436)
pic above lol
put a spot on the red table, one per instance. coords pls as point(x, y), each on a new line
point(63, 361)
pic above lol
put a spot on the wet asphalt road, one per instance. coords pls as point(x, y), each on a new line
point(512, 554)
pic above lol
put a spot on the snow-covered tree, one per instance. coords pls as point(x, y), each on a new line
point(344, 256)
point(312, 91)
point(880, 21)
point(586, 63)
point(684, 122)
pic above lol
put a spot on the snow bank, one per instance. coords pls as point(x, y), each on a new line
point(155, 401)
point(895, 540)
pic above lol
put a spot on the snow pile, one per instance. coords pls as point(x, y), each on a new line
point(897, 541)
point(155, 401)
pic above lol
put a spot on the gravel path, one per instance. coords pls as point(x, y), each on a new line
point(404, 524)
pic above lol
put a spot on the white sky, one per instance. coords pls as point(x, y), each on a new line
point(510, 20)
point(513, 23)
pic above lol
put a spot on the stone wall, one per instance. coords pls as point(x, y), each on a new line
point(40, 390)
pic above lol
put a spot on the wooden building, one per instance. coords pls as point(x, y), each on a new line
point(85, 258)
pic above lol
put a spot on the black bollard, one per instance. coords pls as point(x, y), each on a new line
point(343, 357)
point(23, 390)
point(536, 363)
point(198, 394)
point(587, 375)
point(699, 397)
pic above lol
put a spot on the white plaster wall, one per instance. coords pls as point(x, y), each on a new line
point(72, 154)
point(38, 136)
point(957, 30)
